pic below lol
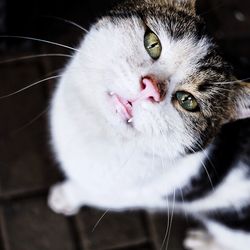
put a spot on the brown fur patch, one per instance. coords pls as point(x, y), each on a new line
point(213, 83)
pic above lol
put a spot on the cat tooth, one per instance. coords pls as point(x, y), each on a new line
point(130, 120)
point(111, 93)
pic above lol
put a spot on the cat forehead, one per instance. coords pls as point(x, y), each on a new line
point(177, 21)
point(179, 54)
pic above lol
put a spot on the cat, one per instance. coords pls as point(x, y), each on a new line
point(148, 115)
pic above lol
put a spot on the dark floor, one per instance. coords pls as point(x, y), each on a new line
point(27, 168)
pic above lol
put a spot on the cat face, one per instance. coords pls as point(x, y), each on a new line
point(151, 71)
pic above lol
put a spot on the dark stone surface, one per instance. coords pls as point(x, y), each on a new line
point(142, 246)
point(24, 163)
point(2, 231)
point(31, 225)
point(169, 233)
point(114, 229)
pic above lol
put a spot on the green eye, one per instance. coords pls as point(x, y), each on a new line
point(152, 44)
point(187, 101)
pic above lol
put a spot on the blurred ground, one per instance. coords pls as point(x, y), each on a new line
point(27, 168)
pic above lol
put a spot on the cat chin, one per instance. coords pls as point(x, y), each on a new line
point(145, 132)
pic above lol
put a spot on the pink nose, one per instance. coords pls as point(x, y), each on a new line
point(149, 90)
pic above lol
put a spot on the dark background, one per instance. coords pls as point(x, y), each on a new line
point(228, 21)
point(27, 169)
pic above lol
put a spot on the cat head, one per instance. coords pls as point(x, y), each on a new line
point(161, 48)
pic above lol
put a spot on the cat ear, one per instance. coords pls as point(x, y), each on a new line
point(243, 102)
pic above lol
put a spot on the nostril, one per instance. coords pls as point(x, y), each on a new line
point(143, 85)
point(130, 103)
point(150, 90)
point(152, 99)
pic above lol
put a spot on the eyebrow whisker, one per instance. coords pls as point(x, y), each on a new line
point(29, 86)
point(40, 40)
point(70, 22)
point(32, 57)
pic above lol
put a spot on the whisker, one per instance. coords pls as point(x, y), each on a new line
point(30, 122)
point(29, 86)
point(202, 151)
point(70, 22)
point(205, 168)
point(207, 156)
point(59, 70)
point(167, 229)
point(32, 57)
point(236, 81)
point(153, 151)
point(183, 202)
point(98, 222)
point(202, 163)
point(129, 157)
point(171, 221)
point(40, 40)
point(208, 175)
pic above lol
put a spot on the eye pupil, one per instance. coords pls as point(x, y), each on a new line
point(152, 44)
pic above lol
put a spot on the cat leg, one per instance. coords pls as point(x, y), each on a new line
point(65, 198)
point(217, 237)
point(152, 202)
point(201, 240)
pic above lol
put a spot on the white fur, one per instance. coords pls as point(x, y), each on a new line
point(232, 193)
point(217, 237)
point(202, 240)
point(111, 164)
point(230, 239)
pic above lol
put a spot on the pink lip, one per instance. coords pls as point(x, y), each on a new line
point(123, 106)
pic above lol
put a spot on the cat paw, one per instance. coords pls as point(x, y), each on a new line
point(61, 200)
point(201, 240)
